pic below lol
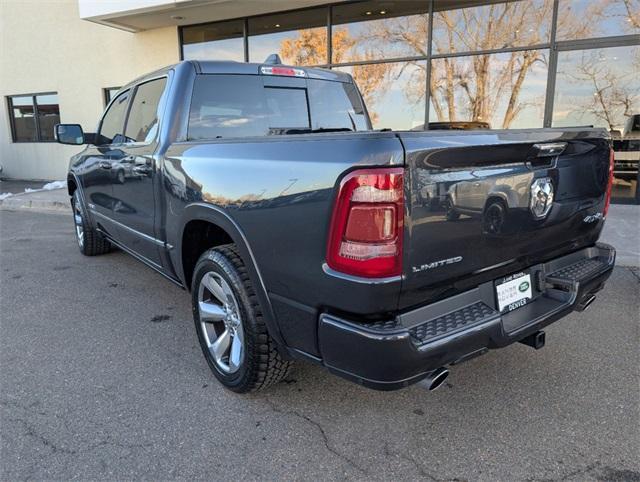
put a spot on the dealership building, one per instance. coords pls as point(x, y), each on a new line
point(419, 64)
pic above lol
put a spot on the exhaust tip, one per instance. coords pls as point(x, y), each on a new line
point(586, 302)
point(437, 378)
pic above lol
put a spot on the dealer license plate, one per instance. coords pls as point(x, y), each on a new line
point(513, 292)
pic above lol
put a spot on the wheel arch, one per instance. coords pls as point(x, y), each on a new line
point(72, 183)
point(494, 196)
point(197, 213)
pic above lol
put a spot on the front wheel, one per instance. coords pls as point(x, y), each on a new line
point(90, 241)
point(452, 214)
point(230, 326)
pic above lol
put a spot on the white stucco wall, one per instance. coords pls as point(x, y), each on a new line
point(46, 47)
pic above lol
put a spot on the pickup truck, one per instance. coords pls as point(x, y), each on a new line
point(298, 230)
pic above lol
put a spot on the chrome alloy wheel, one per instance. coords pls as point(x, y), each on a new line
point(220, 322)
point(77, 219)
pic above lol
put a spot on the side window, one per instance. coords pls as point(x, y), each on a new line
point(111, 130)
point(142, 125)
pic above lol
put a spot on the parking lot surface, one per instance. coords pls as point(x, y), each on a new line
point(101, 377)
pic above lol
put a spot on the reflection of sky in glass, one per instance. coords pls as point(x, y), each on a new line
point(47, 99)
point(616, 69)
point(391, 105)
point(530, 98)
point(228, 49)
point(22, 100)
point(597, 18)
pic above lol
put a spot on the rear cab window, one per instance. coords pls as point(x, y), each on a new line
point(232, 105)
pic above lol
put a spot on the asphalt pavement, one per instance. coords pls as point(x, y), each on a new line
point(101, 377)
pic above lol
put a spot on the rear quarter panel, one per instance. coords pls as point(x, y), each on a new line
point(280, 193)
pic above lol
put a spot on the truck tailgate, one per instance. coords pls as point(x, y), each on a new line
point(470, 218)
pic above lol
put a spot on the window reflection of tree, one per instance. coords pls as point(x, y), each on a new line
point(490, 87)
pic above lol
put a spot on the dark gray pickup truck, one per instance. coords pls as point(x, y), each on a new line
point(302, 233)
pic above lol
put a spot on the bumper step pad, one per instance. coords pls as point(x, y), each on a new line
point(577, 271)
point(451, 322)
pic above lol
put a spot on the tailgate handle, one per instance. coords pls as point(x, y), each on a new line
point(549, 149)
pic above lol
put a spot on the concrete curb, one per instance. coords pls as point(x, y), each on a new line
point(54, 201)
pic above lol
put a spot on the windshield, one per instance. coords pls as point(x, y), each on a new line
point(243, 106)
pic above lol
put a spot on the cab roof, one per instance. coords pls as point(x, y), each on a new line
point(231, 67)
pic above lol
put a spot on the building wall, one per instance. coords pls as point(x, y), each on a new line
point(46, 47)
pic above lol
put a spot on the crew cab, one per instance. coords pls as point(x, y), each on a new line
point(299, 231)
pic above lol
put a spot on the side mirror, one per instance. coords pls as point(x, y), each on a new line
point(69, 134)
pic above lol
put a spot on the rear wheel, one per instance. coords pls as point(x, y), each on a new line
point(495, 215)
point(229, 323)
point(90, 241)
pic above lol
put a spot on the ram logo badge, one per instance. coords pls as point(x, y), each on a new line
point(436, 264)
point(541, 197)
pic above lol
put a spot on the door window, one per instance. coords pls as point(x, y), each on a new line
point(111, 130)
point(112, 126)
point(142, 125)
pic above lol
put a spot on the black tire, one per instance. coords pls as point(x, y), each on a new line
point(261, 365)
point(494, 217)
point(452, 214)
point(90, 241)
point(120, 176)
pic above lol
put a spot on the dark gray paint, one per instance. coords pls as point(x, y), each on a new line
point(274, 197)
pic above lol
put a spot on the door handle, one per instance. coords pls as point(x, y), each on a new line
point(104, 165)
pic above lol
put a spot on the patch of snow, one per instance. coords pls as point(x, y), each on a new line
point(48, 187)
point(5, 195)
point(54, 185)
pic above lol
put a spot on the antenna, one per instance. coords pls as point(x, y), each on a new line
point(273, 59)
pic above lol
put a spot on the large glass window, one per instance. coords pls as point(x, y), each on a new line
point(394, 93)
point(379, 30)
point(299, 38)
point(580, 19)
point(214, 41)
point(33, 117)
point(112, 126)
point(601, 87)
point(491, 26)
point(506, 90)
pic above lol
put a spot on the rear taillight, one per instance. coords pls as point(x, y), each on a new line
point(607, 199)
point(365, 238)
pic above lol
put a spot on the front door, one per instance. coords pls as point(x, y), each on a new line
point(96, 166)
point(136, 177)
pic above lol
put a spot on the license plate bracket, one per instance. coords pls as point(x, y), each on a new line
point(513, 291)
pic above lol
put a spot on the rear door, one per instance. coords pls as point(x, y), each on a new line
point(483, 225)
point(136, 174)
